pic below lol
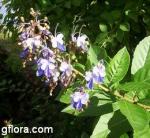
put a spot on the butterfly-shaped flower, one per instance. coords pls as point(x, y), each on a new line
point(66, 72)
point(45, 68)
point(66, 68)
point(58, 42)
point(82, 42)
point(96, 75)
point(99, 73)
point(79, 99)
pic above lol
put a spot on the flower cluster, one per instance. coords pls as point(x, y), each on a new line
point(96, 75)
point(48, 51)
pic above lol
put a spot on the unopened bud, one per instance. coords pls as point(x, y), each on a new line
point(22, 19)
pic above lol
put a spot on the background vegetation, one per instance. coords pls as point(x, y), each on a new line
point(110, 25)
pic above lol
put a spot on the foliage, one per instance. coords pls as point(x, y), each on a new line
point(119, 107)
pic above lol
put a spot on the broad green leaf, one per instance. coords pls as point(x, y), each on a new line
point(143, 74)
point(138, 118)
point(118, 66)
point(111, 125)
point(101, 129)
point(134, 86)
point(142, 134)
point(141, 55)
point(125, 27)
point(103, 27)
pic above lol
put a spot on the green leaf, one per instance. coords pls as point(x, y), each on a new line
point(101, 129)
point(143, 74)
point(145, 101)
point(103, 27)
point(141, 55)
point(118, 66)
point(134, 86)
point(120, 35)
point(92, 57)
point(138, 118)
point(111, 125)
point(125, 27)
point(79, 67)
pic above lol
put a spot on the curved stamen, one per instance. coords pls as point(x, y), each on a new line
point(81, 29)
point(56, 29)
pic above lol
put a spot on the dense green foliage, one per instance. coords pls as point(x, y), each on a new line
point(115, 29)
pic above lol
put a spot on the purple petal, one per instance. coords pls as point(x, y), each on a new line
point(101, 79)
point(24, 53)
point(61, 47)
point(47, 72)
point(39, 72)
point(90, 84)
point(77, 105)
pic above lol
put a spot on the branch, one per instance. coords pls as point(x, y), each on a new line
point(116, 93)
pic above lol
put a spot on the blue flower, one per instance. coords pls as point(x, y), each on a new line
point(47, 53)
point(45, 68)
point(99, 73)
point(57, 42)
point(66, 72)
point(79, 99)
point(89, 79)
point(24, 36)
point(96, 76)
point(81, 41)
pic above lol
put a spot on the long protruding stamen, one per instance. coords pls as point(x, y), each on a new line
point(74, 29)
point(81, 29)
point(56, 28)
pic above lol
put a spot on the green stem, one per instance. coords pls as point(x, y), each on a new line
point(116, 93)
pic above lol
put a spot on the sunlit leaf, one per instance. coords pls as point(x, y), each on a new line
point(141, 55)
point(118, 66)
